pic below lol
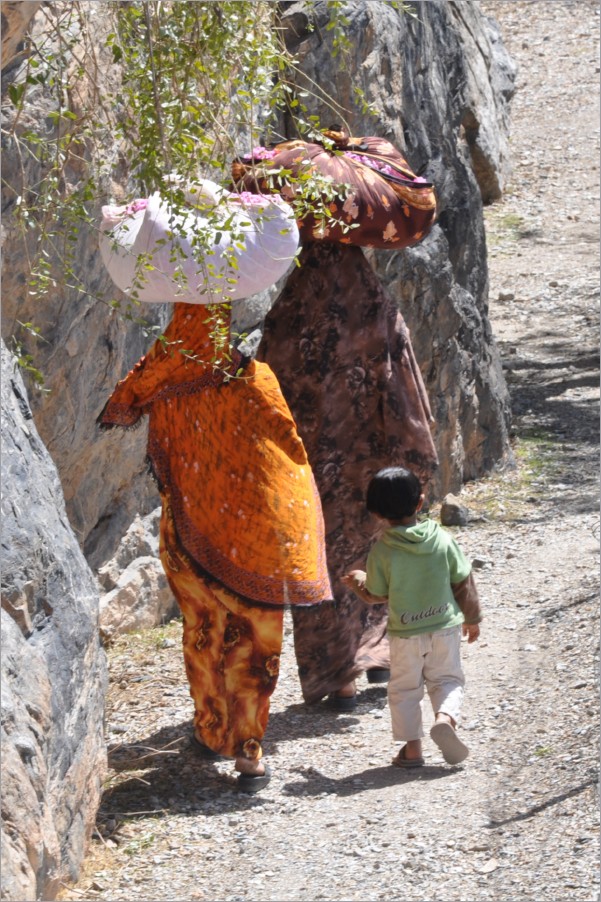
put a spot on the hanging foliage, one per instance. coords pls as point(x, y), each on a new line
point(148, 96)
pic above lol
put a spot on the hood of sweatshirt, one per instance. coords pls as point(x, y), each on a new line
point(423, 538)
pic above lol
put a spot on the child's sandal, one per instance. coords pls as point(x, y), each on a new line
point(401, 760)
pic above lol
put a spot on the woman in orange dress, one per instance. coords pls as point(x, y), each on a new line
point(241, 531)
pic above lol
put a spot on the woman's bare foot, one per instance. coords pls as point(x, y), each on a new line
point(253, 767)
point(347, 691)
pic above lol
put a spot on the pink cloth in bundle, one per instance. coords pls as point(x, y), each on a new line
point(224, 247)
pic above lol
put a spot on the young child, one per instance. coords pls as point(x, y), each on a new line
point(421, 572)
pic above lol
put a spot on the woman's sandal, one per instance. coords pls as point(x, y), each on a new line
point(401, 759)
point(341, 702)
point(253, 782)
point(377, 674)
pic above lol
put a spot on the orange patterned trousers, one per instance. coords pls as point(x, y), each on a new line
point(231, 652)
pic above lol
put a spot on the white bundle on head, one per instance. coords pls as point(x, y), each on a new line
point(225, 247)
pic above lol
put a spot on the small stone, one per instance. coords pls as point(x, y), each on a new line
point(479, 563)
point(487, 867)
point(453, 513)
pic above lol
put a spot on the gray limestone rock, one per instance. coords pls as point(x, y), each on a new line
point(440, 83)
point(53, 667)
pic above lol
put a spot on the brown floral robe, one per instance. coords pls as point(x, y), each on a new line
point(342, 354)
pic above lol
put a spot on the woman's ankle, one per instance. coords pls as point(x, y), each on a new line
point(252, 766)
point(346, 691)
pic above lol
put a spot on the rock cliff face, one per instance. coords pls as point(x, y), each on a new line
point(440, 83)
point(53, 667)
point(15, 17)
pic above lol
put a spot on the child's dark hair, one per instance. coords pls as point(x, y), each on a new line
point(393, 493)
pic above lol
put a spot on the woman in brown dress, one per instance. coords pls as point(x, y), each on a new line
point(342, 354)
point(343, 357)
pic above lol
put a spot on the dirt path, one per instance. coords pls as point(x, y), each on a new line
point(520, 820)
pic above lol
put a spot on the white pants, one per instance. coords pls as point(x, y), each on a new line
point(433, 659)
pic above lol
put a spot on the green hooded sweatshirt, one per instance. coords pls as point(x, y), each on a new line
point(414, 567)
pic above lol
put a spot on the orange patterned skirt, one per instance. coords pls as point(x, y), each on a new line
point(231, 652)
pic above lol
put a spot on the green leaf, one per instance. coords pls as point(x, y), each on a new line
point(15, 92)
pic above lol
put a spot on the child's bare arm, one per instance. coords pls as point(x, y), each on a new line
point(355, 580)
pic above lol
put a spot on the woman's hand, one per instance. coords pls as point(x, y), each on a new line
point(355, 580)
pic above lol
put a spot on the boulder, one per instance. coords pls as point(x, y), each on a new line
point(140, 600)
point(136, 592)
point(53, 668)
point(453, 512)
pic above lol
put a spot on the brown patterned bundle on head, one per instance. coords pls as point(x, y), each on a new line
point(381, 202)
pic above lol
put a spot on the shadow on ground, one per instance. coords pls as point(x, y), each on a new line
point(316, 783)
point(162, 774)
point(543, 806)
